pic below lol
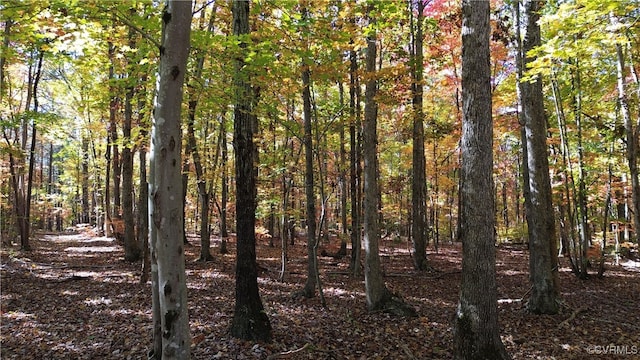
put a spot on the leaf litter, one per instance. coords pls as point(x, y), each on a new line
point(75, 298)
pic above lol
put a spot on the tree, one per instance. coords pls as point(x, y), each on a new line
point(204, 195)
point(539, 211)
point(250, 322)
point(310, 199)
point(22, 193)
point(166, 214)
point(475, 325)
point(132, 251)
point(631, 130)
point(419, 181)
point(378, 296)
point(355, 152)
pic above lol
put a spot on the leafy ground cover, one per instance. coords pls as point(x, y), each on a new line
point(75, 298)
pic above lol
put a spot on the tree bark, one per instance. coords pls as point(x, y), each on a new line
point(250, 322)
point(377, 295)
point(114, 103)
point(143, 197)
point(166, 187)
point(225, 185)
point(630, 134)
point(419, 181)
point(342, 180)
point(86, 212)
point(475, 325)
point(132, 249)
point(354, 160)
point(539, 211)
point(312, 257)
point(376, 291)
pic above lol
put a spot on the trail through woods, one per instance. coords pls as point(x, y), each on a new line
point(75, 298)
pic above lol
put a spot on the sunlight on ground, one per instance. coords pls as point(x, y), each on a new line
point(98, 301)
point(18, 315)
point(96, 249)
point(65, 238)
point(508, 301)
point(128, 312)
point(631, 265)
point(512, 272)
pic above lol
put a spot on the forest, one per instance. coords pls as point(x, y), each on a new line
point(333, 179)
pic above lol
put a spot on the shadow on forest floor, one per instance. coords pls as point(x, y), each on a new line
point(74, 297)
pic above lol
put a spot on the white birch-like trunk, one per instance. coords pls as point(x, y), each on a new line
point(165, 207)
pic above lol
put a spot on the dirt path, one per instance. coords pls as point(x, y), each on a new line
point(75, 298)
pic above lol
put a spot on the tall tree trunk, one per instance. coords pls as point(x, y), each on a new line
point(342, 180)
point(185, 187)
point(630, 134)
point(310, 285)
point(583, 217)
point(225, 185)
point(250, 322)
point(143, 197)
point(86, 208)
point(540, 215)
point(25, 216)
point(475, 326)
point(376, 291)
point(203, 194)
point(166, 213)
point(377, 295)
point(50, 187)
point(132, 251)
point(354, 160)
point(568, 183)
point(143, 208)
point(114, 103)
point(419, 181)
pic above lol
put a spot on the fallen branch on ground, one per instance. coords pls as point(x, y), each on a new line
point(573, 316)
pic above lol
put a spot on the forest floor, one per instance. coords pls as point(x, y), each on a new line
point(74, 297)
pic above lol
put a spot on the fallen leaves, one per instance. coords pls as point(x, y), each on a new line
point(70, 300)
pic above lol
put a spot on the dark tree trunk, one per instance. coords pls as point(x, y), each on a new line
point(419, 181)
point(114, 152)
point(376, 291)
point(225, 185)
point(132, 251)
point(143, 198)
point(203, 194)
point(25, 225)
point(86, 212)
point(250, 322)
point(310, 284)
point(143, 210)
point(354, 161)
point(475, 326)
point(343, 180)
point(539, 211)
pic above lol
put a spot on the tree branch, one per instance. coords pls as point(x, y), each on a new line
point(144, 34)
